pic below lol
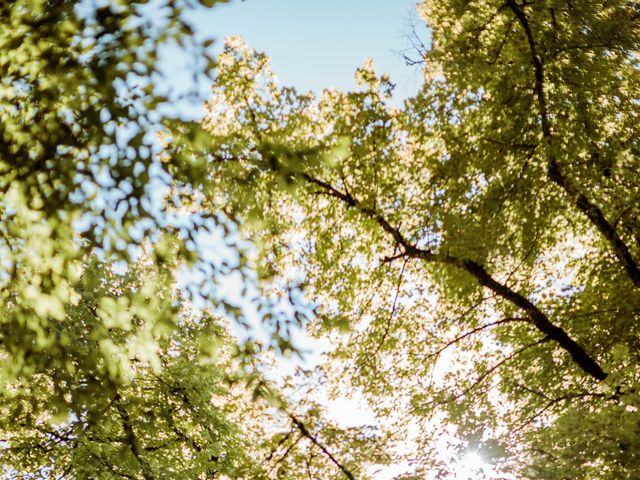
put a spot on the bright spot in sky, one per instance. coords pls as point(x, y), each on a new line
point(470, 466)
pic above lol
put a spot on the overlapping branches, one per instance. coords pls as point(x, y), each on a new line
point(592, 211)
point(538, 318)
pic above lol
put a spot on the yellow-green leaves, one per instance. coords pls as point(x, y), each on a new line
point(470, 251)
point(115, 313)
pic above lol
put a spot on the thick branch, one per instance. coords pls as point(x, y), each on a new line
point(592, 211)
point(538, 318)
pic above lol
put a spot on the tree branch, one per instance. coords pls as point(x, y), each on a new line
point(538, 318)
point(130, 435)
point(551, 402)
point(393, 309)
point(286, 452)
point(476, 330)
point(592, 211)
point(303, 430)
point(498, 365)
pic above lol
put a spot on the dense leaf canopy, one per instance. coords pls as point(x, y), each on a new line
point(478, 249)
point(474, 255)
point(108, 369)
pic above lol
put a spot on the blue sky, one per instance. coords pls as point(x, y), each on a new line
point(315, 44)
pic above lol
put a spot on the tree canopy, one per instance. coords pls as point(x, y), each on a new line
point(476, 250)
point(112, 367)
point(473, 255)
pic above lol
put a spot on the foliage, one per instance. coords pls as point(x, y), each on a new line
point(116, 408)
point(79, 165)
point(108, 368)
point(478, 248)
point(106, 404)
point(474, 255)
